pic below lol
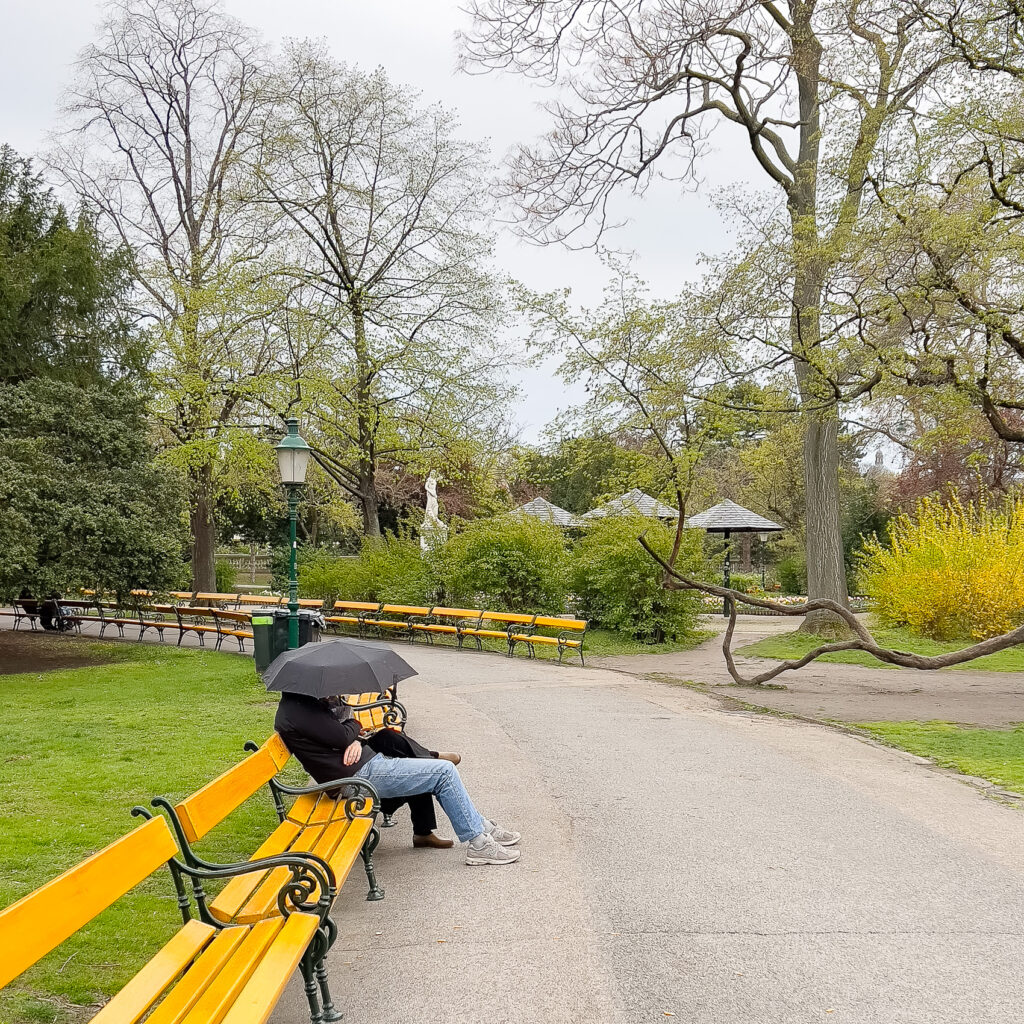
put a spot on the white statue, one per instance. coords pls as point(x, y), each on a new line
point(433, 531)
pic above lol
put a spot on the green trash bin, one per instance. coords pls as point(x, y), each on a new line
point(309, 631)
point(263, 641)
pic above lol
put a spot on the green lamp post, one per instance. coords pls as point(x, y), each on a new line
point(292, 461)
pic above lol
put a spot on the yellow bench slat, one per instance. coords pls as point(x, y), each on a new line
point(132, 1002)
point(217, 799)
point(234, 895)
point(263, 900)
point(225, 988)
point(265, 986)
point(199, 976)
point(43, 919)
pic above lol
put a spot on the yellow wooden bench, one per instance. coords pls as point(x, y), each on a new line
point(495, 626)
point(569, 637)
point(397, 620)
point(232, 623)
point(375, 711)
point(208, 973)
point(190, 620)
point(446, 622)
point(333, 823)
point(352, 614)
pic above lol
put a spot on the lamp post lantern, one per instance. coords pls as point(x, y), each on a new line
point(292, 460)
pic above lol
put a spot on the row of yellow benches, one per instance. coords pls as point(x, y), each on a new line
point(461, 624)
point(221, 616)
point(235, 952)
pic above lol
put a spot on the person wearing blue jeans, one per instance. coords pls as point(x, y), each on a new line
point(330, 749)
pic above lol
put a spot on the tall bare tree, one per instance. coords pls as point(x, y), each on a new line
point(157, 124)
point(817, 88)
point(385, 208)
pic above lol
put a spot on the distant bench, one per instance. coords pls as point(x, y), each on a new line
point(409, 622)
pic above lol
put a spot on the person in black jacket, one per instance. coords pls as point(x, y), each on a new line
point(329, 749)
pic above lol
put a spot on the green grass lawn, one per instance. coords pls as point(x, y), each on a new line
point(80, 748)
point(795, 645)
point(993, 754)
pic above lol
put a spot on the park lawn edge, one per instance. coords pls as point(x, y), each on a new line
point(788, 646)
point(996, 755)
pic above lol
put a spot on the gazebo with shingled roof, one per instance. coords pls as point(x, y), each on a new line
point(728, 518)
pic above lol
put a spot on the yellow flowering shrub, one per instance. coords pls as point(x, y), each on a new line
point(951, 571)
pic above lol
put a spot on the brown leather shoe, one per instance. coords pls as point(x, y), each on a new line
point(454, 758)
point(433, 842)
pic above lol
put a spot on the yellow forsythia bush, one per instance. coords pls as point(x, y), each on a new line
point(951, 571)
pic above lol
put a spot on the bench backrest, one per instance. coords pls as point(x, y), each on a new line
point(403, 609)
point(210, 805)
point(308, 602)
point(553, 622)
point(216, 598)
point(43, 919)
point(456, 613)
point(512, 618)
point(356, 606)
point(260, 599)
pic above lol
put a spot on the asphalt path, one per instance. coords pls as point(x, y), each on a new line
point(680, 860)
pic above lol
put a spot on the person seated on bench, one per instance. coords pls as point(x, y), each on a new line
point(399, 744)
point(331, 749)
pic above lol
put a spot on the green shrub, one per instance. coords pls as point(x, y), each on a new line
point(619, 585)
point(508, 563)
point(227, 576)
point(386, 569)
point(792, 572)
point(746, 582)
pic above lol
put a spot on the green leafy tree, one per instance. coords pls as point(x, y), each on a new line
point(821, 93)
point(63, 312)
point(384, 209)
point(511, 563)
point(85, 504)
point(157, 123)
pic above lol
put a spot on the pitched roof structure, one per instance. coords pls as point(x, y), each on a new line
point(633, 503)
point(541, 508)
point(727, 515)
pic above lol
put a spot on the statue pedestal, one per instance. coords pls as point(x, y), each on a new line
point(432, 533)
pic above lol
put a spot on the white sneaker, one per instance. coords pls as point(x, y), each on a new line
point(502, 836)
point(485, 850)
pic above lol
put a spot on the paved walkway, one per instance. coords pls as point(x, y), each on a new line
point(724, 868)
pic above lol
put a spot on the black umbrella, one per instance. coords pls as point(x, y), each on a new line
point(336, 667)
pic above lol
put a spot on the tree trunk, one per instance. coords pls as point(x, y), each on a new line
point(370, 505)
point(367, 437)
point(826, 574)
point(203, 530)
point(826, 569)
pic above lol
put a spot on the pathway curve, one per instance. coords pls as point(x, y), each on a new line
point(847, 693)
point(678, 859)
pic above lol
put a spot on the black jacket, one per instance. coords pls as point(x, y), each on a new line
point(317, 738)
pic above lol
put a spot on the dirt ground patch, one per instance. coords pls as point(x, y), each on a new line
point(25, 651)
point(845, 693)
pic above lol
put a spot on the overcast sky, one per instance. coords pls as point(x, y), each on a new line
point(414, 41)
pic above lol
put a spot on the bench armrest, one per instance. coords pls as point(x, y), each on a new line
point(354, 791)
point(309, 873)
point(396, 716)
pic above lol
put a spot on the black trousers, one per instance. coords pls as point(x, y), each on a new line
point(421, 806)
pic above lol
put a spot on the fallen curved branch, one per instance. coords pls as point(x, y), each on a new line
point(863, 640)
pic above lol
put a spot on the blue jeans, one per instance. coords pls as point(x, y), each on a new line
point(407, 776)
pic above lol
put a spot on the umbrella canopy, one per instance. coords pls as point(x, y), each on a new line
point(337, 667)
